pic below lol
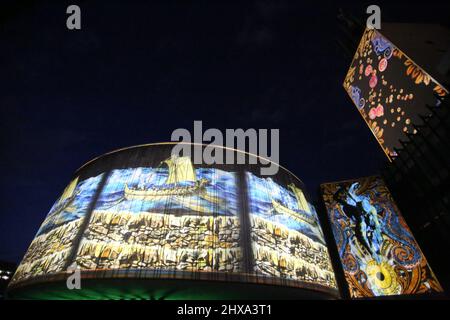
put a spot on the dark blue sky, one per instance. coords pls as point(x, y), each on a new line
point(138, 70)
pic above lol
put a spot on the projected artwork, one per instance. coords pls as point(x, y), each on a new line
point(166, 218)
point(55, 239)
point(378, 252)
point(287, 240)
point(389, 90)
point(173, 220)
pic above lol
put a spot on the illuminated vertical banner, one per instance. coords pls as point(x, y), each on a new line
point(287, 240)
point(50, 250)
point(378, 252)
point(389, 90)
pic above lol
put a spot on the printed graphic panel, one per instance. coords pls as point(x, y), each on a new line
point(377, 250)
point(389, 90)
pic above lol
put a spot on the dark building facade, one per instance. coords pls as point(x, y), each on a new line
point(419, 180)
point(7, 270)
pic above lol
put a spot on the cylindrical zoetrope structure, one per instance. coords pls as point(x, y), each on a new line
point(142, 223)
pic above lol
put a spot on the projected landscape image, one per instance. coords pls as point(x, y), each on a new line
point(286, 236)
point(166, 218)
point(54, 241)
point(174, 219)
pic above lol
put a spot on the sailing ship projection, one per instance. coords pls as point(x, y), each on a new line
point(302, 214)
point(287, 241)
point(181, 184)
point(172, 217)
point(378, 252)
point(55, 239)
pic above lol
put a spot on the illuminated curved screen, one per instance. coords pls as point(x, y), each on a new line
point(176, 220)
point(379, 254)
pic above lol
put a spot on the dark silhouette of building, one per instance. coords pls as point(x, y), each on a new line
point(427, 44)
point(349, 31)
point(7, 270)
point(419, 179)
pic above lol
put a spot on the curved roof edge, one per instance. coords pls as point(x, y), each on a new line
point(187, 143)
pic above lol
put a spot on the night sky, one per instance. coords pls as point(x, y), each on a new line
point(138, 70)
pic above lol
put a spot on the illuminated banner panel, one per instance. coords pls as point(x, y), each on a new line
point(143, 214)
point(287, 240)
point(50, 249)
point(389, 90)
point(378, 252)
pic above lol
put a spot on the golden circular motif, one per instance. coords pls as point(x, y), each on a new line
point(382, 278)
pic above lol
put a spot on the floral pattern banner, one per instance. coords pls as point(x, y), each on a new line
point(378, 252)
point(389, 90)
